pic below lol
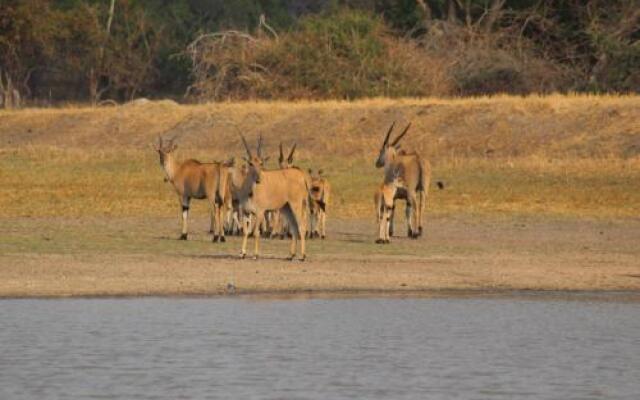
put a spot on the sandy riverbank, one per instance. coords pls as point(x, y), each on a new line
point(100, 257)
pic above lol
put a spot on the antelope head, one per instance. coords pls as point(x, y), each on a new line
point(254, 162)
point(389, 149)
point(288, 162)
point(317, 174)
point(165, 150)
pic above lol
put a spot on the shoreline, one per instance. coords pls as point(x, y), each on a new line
point(479, 293)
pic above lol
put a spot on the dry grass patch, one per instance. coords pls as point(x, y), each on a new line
point(55, 181)
point(502, 126)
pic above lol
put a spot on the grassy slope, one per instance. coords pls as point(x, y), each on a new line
point(556, 155)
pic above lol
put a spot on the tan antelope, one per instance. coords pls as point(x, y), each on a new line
point(195, 180)
point(320, 197)
point(232, 225)
point(276, 226)
point(415, 175)
point(261, 190)
point(236, 216)
point(384, 199)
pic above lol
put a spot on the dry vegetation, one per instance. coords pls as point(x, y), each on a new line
point(556, 155)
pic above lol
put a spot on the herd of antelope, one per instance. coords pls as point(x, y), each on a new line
point(249, 199)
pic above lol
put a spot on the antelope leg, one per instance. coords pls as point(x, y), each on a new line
point(323, 223)
point(256, 233)
point(220, 222)
point(245, 234)
point(185, 217)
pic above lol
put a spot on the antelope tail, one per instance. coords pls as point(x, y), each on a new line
point(221, 186)
point(420, 186)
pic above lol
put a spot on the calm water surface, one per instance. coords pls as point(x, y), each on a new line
point(438, 348)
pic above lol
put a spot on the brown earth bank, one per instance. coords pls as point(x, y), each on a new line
point(56, 257)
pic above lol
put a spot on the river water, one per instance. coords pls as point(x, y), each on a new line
point(515, 347)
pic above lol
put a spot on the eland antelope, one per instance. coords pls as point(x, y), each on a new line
point(384, 199)
point(260, 190)
point(320, 196)
point(234, 224)
point(415, 174)
point(276, 225)
point(192, 179)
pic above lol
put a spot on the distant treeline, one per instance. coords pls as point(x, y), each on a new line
point(55, 51)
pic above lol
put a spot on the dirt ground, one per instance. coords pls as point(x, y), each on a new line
point(55, 257)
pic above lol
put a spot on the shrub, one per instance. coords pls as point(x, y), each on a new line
point(345, 55)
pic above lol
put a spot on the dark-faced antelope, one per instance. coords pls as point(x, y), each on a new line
point(285, 190)
point(415, 173)
point(320, 197)
point(384, 199)
point(195, 180)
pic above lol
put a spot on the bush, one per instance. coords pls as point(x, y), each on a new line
point(490, 71)
point(345, 55)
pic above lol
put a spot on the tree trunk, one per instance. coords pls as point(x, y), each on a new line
point(452, 11)
point(93, 87)
point(426, 9)
point(95, 73)
point(9, 95)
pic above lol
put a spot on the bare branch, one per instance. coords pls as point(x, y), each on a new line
point(263, 22)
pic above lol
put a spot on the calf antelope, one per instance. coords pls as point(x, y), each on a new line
point(384, 199)
point(261, 190)
point(195, 180)
point(320, 196)
point(415, 174)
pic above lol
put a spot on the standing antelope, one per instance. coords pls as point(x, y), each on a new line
point(320, 195)
point(261, 190)
point(384, 199)
point(276, 226)
point(234, 224)
point(415, 174)
point(195, 180)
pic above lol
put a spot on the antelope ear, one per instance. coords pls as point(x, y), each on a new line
point(310, 171)
point(320, 172)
